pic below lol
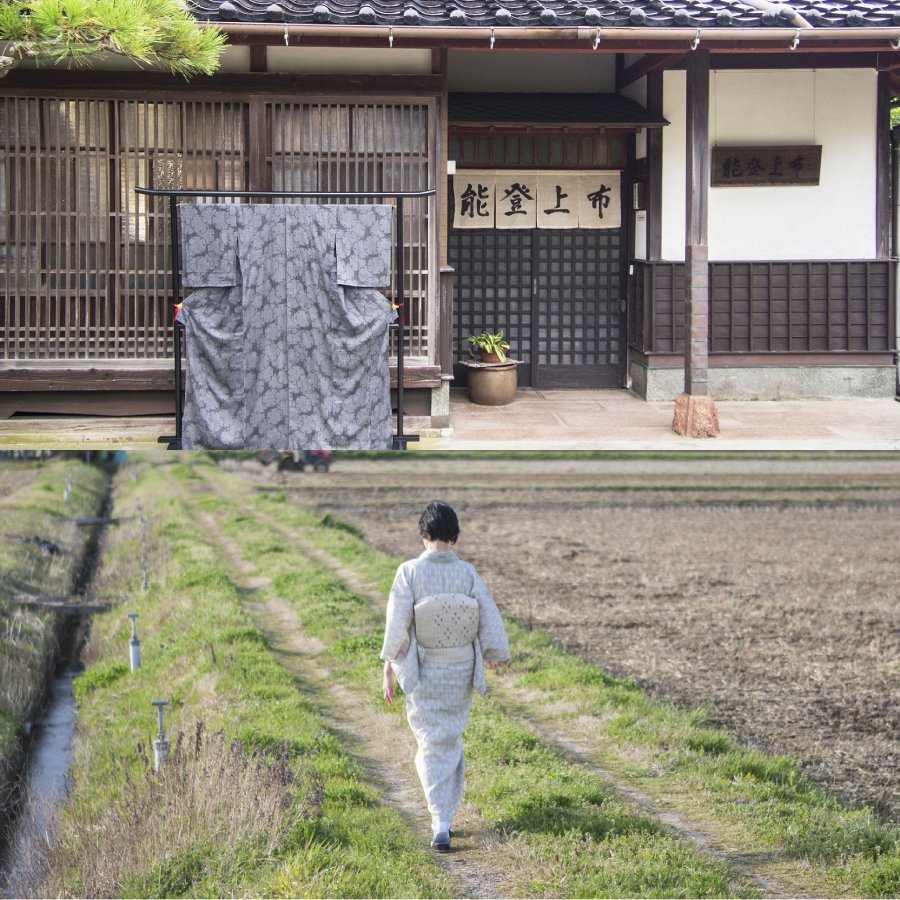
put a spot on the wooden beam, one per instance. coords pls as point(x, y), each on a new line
point(645, 66)
point(162, 86)
point(799, 59)
point(37, 378)
point(696, 376)
point(259, 61)
point(64, 604)
point(417, 376)
point(883, 168)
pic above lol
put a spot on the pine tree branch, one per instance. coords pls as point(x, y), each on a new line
point(149, 32)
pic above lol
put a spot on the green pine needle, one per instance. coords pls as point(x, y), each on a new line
point(74, 31)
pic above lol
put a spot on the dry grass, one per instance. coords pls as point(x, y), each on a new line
point(22, 633)
point(213, 793)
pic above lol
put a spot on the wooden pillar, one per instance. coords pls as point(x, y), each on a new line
point(695, 410)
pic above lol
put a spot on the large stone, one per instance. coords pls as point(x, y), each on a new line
point(695, 417)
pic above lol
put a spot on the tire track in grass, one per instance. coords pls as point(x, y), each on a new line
point(579, 751)
point(706, 843)
point(370, 737)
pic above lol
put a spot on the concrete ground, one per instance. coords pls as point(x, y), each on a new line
point(552, 420)
point(618, 420)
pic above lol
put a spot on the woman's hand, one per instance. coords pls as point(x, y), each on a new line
point(387, 684)
point(496, 664)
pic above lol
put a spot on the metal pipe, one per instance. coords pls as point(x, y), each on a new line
point(161, 744)
point(895, 246)
point(401, 321)
point(575, 33)
point(176, 299)
point(134, 645)
point(321, 195)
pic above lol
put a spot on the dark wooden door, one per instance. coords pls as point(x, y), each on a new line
point(556, 294)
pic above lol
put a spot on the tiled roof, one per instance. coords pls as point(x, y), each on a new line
point(607, 109)
point(548, 13)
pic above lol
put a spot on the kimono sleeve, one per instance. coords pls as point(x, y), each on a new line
point(491, 631)
point(363, 245)
point(399, 617)
point(209, 233)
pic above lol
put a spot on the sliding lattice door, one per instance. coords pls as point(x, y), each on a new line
point(84, 261)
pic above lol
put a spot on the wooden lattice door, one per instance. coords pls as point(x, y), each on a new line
point(556, 294)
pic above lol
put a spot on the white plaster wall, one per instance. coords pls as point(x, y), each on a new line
point(834, 220)
point(348, 61)
point(673, 173)
point(637, 90)
point(508, 71)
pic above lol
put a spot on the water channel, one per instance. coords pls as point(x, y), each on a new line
point(49, 754)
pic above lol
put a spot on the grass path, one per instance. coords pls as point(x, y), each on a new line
point(386, 752)
point(718, 823)
point(367, 735)
point(570, 741)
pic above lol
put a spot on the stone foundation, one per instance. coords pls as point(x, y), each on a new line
point(769, 382)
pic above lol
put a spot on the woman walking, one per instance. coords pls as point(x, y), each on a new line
point(442, 628)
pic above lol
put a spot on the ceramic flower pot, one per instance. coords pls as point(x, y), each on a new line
point(493, 385)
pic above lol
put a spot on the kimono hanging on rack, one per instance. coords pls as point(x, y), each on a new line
point(286, 336)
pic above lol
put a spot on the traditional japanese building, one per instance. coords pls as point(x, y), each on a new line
point(596, 166)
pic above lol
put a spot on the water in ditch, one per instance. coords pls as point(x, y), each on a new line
point(50, 756)
point(50, 752)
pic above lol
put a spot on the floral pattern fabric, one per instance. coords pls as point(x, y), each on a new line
point(286, 338)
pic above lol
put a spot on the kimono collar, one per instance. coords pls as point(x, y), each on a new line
point(438, 555)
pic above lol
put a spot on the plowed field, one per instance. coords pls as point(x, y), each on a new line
point(764, 591)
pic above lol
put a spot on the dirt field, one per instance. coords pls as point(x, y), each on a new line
point(764, 591)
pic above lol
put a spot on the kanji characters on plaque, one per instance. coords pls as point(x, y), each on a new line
point(537, 199)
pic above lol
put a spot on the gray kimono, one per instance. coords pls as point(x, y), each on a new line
point(286, 340)
point(439, 690)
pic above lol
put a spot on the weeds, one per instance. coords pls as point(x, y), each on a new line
point(214, 792)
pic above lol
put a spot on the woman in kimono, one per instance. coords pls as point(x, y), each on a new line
point(442, 628)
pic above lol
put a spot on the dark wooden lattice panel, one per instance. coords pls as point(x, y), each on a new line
point(554, 293)
point(579, 323)
point(493, 288)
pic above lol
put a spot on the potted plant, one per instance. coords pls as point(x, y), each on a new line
point(490, 347)
point(492, 379)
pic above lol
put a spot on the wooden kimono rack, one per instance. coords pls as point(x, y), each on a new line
point(400, 439)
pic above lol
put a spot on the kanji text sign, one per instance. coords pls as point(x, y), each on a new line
point(537, 199)
point(790, 165)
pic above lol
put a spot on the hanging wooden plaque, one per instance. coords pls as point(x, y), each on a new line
point(777, 165)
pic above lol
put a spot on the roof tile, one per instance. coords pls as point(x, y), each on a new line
point(551, 13)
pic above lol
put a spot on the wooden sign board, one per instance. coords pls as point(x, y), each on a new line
point(747, 166)
point(537, 199)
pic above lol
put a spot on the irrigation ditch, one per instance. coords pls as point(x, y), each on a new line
point(45, 751)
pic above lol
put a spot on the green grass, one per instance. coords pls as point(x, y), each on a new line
point(201, 652)
point(668, 752)
point(518, 785)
